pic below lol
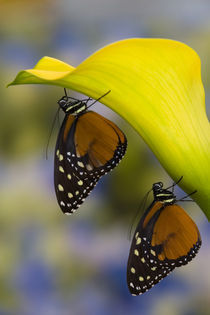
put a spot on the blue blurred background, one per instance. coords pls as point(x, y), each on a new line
point(51, 264)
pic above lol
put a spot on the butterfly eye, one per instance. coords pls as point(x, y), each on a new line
point(62, 102)
point(157, 186)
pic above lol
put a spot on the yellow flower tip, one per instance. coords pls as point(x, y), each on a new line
point(156, 86)
point(47, 69)
point(52, 64)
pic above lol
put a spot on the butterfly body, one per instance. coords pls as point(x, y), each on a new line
point(74, 107)
point(165, 238)
point(88, 147)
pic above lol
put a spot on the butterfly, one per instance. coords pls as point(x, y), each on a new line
point(165, 238)
point(88, 146)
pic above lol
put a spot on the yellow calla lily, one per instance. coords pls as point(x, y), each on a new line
point(156, 86)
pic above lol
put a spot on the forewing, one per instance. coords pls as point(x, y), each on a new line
point(71, 190)
point(141, 276)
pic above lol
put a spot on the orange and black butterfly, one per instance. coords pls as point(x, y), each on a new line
point(88, 146)
point(165, 238)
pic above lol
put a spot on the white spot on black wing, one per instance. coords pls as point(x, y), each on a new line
point(71, 190)
point(149, 270)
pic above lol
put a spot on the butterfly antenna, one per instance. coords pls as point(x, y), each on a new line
point(175, 183)
point(75, 99)
point(65, 92)
point(98, 99)
point(184, 198)
point(51, 130)
point(141, 206)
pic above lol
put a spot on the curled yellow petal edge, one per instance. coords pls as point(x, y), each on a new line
point(156, 86)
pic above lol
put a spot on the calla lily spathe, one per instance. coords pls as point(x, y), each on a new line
point(156, 86)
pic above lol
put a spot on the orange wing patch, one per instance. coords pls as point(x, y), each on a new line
point(69, 122)
point(152, 211)
point(98, 137)
point(176, 231)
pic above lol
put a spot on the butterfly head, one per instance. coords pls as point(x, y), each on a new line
point(73, 107)
point(163, 195)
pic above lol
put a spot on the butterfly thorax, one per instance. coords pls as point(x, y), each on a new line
point(163, 195)
point(76, 107)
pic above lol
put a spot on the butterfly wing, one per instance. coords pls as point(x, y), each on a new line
point(141, 276)
point(99, 146)
point(165, 238)
point(176, 235)
point(88, 146)
point(71, 190)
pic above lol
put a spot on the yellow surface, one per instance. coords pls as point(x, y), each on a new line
point(156, 86)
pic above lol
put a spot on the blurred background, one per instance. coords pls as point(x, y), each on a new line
point(51, 264)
